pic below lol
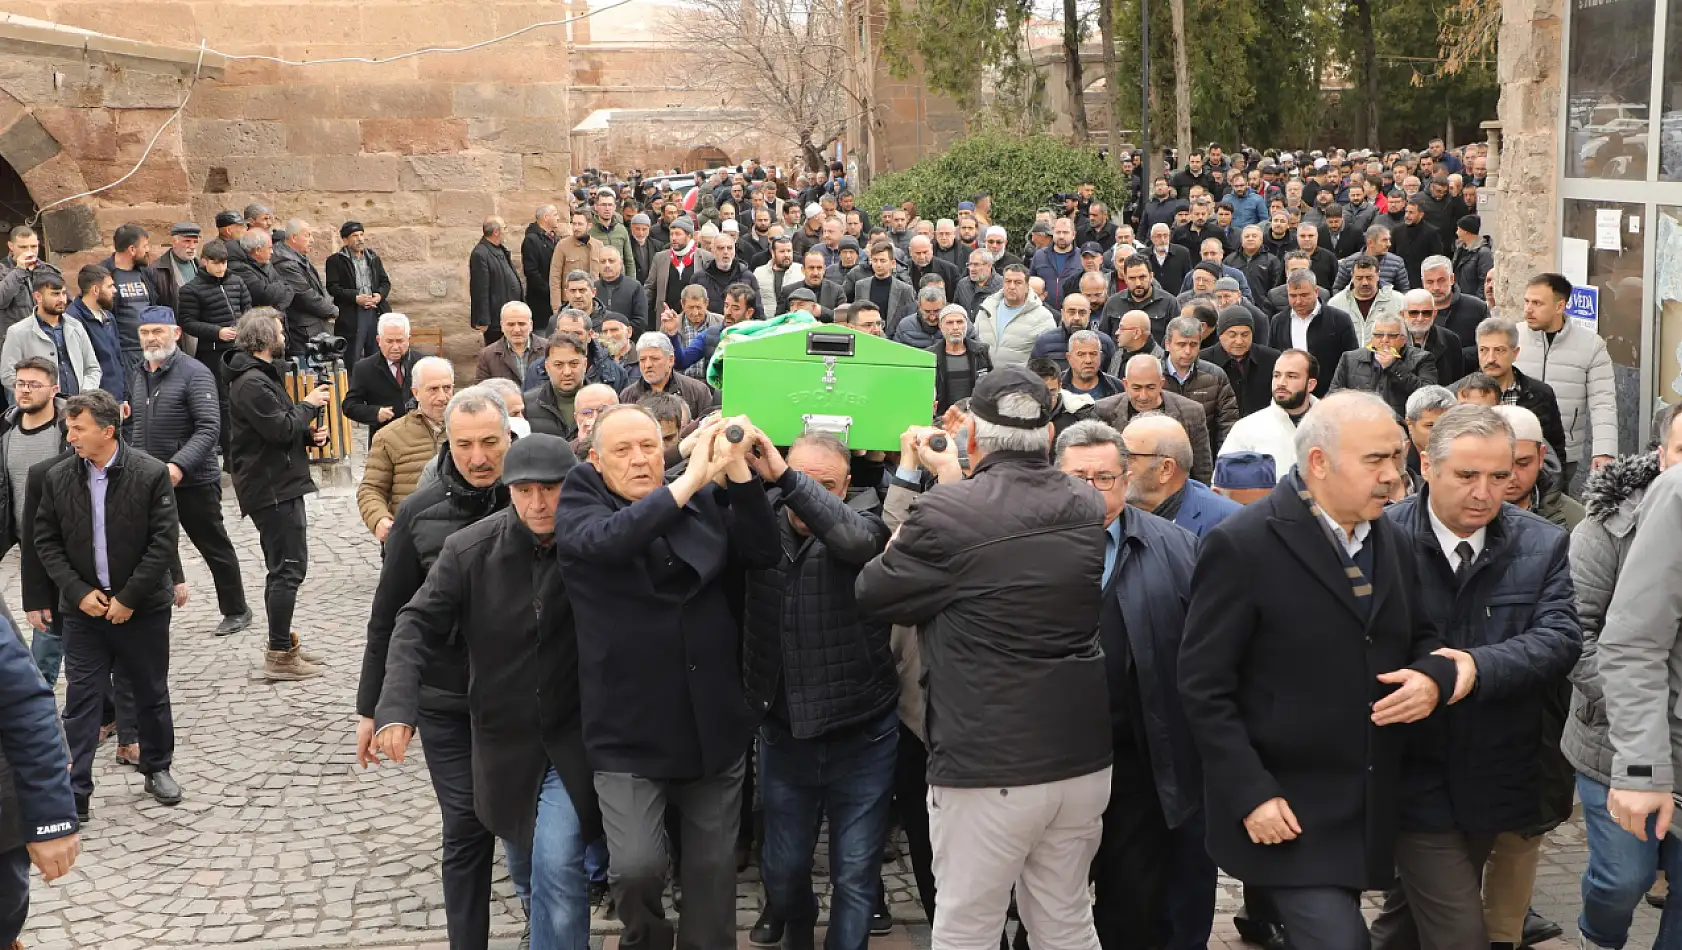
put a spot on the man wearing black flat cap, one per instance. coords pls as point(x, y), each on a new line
point(1248, 364)
point(531, 786)
point(1018, 708)
point(357, 282)
point(178, 266)
point(229, 226)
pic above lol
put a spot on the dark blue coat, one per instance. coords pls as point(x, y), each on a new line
point(107, 349)
point(1475, 766)
point(1202, 509)
point(1153, 581)
point(35, 799)
point(177, 416)
point(658, 646)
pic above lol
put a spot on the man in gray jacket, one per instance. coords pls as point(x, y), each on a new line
point(1573, 360)
point(311, 308)
point(1621, 865)
point(52, 335)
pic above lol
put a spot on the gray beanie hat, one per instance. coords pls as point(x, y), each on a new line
point(640, 218)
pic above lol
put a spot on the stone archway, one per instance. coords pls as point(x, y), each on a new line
point(704, 157)
point(37, 171)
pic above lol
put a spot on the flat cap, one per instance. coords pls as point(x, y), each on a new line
point(984, 402)
point(1241, 470)
point(538, 458)
point(1228, 283)
point(184, 229)
point(227, 219)
point(349, 228)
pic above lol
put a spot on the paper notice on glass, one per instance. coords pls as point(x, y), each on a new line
point(1606, 221)
point(1574, 261)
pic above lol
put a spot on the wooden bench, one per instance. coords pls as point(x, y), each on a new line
point(430, 341)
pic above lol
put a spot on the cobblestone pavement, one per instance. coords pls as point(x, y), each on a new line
point(283, 843)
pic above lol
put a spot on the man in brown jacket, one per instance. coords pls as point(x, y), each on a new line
point(1145, 393)
point(518, 356)
point(580, 251)
point(401, 449)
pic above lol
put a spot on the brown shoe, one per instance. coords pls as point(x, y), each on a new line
point(303, 654)
point(287, 665)
point(129, 755)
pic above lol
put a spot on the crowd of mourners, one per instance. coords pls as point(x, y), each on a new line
point(1247, 531)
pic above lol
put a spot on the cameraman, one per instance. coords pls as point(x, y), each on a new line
point(271, 474)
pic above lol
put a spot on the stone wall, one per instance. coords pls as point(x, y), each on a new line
point(1527, 226)
point(905, 122)
point(419, 150)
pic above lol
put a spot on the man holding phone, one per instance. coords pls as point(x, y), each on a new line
point(17, 276)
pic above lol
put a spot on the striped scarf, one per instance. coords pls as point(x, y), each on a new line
point(1358, 579)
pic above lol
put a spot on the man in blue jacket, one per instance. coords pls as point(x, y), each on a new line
point(37, 812)
point(1057, 263)
point(1151, 852)
point(1472, 772)
point(1159, 462)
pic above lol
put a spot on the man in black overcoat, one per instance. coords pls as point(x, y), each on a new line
point(1306, 646)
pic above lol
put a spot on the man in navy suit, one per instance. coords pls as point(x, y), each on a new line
point(1159, 457)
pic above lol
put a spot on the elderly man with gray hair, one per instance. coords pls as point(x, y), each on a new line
point(656, 361)
point(311, 309)
point(1019, 713)
point(1159, 460)
point(251, 259)
point(1424, 408)
point(1388, 366)
point(1312, 593)
point(401, 450)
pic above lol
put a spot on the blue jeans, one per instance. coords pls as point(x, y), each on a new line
point(595, 861)
point(551, 871)
point(848, 777)
point(46, 647)
point(1621, 868)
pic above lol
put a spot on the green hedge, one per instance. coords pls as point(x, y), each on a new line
point(1020, 173)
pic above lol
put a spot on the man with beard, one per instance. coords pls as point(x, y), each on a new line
point(644, 244)
point(176, 267)
point(550, 406)
point(49, 335)
point(608, 228)
point(1497, 352)
point(466, 491)
point(1143, 294)
point(674, 268)
point(1170, 263)
point(1077, 316)
point(33, 436)
point(980, 283)
point(1272, 430)
point(997, 241)
point(772, 276)
point(755, 246)
point(357, 282)
point(960, 359)
point(1426, 332)
point(131, 252)
point(1097, 228)
point(537, 252)
point(1058, 262)
point(722, 271)
point(1202, 227)
point(176, 417)
point(1248, 364)
point(1416, 239)
point(924, 262)
point(1459, 313)
point(616, 292)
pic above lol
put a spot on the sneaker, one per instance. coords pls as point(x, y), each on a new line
point(767, 930)
point(287, 665)
point(163, 788)
point(233, 623)
point(881, 922)
point(303, 654)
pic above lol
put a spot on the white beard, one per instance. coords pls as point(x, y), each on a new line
point(158, 355)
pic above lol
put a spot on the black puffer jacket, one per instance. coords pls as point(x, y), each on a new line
point(425, 519)
point(269, 434)
point(211, 304)
point(177, 416)
point(803, 635)
point(1016, 686)
point(1359, 369)
point(141, 530)
point(263, 283)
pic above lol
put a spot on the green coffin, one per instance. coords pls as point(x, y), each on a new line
point(862, 388)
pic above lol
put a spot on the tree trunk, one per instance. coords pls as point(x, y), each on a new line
point(1182, 82)
point(814, 160)
point(1366, 126)
point(1077, 80)
point(1112, 89)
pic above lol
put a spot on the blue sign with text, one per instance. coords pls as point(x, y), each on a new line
point(1584, 304)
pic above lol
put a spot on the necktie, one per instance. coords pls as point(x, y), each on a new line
point(1463, 551)
point(397, 374)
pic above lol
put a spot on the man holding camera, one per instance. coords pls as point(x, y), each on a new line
point(271, 474)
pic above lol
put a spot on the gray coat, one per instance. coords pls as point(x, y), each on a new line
point(28, 338)
point(1599, 546)
point(1641, 652)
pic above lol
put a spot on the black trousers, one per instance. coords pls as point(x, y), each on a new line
point(1319, 918)
point(200, 507)
point(283, 532)
point(211, 356)
point(139, 647)
point(911, 801)
point(1130, 871)
point(469, 848)
point(14, 893)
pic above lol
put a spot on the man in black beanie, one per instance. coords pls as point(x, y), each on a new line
point(1248, 364)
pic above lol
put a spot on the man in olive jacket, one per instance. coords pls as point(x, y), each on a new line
point(1017, 690)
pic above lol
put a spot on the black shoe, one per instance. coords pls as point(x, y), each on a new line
point(881, 923)
point(1261, 933)
point(233, 623)
point(1656, 901)
point(82, 809)
point(1539, 929)
point(163, 788)
point(767, 930)
point(598, 893)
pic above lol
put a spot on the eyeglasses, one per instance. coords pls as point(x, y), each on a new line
point(29, 385)
point(1420, 313)
point(1103, 481)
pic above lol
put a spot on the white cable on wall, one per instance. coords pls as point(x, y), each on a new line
point(198, 69)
